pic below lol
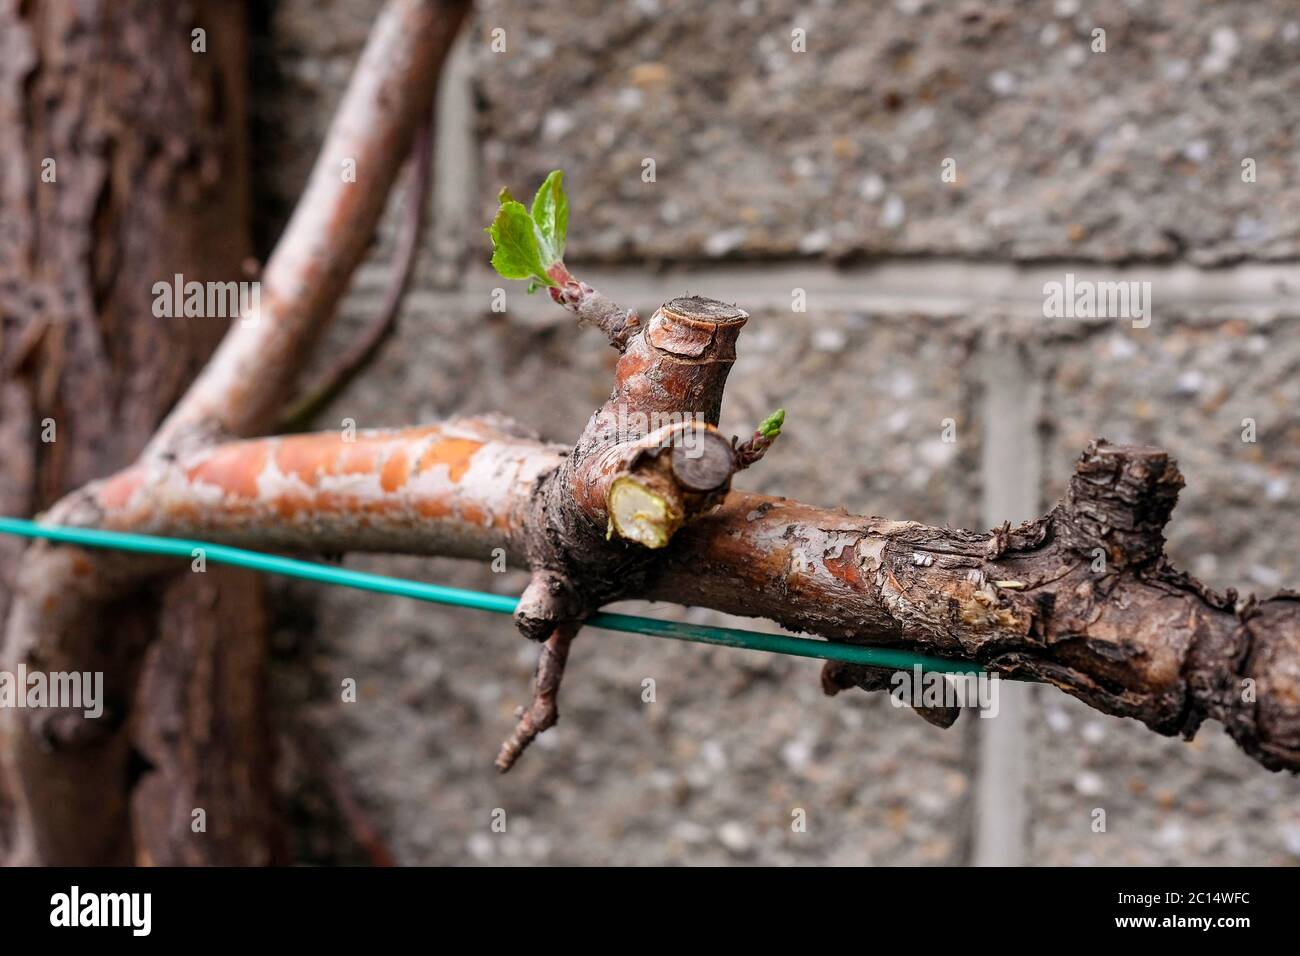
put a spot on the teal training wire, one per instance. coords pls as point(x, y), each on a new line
point(481, 600)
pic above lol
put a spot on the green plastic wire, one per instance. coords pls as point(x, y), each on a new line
point(480, 600)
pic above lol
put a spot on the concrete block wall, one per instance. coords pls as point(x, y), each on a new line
point(820, 171)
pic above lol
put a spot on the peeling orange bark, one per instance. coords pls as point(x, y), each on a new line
point(455, 453)
point(432, 488)
point(233, 469)
point(393, 474)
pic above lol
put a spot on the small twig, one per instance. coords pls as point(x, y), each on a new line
point(838, 676)
point(543, 712)
point(363, 350)
point(750, 451)
point(592, 307)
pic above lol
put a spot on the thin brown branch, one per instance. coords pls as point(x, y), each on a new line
point(592, 307)
point(544, 711)
point(364, 349)
point(243, 390)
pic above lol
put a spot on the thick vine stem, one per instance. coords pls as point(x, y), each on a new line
point(54, 772)
point(651, 452)
point(1128, 634)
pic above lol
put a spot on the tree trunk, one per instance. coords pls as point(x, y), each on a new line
point(123, 162)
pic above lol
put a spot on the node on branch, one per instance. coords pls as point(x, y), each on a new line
point(1120, 499)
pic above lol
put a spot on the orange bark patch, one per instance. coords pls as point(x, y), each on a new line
point(433, 508)
point(455, 453)
point(311, 457)
point(290, 506)
point(473, 514)
point(394, 474)
point(117, 491)
point(360, 457)
point(845, 567)
point(307, 456)
point(233, 468)
point(419, 431)
point(630, 368)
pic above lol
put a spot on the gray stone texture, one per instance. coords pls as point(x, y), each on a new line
point(1192, 384)
point(1186, 383)
point(762, 153)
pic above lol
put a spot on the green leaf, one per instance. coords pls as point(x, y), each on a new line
point(770, 427)
point(525, 243)
point(516, 252)
point(551, 214)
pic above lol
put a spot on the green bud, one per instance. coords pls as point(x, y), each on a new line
point(771, 426)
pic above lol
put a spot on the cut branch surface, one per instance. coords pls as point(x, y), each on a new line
point(641, 513)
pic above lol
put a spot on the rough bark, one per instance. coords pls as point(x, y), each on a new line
point(69, 782)
point(1082, 598)
point(149, 179)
